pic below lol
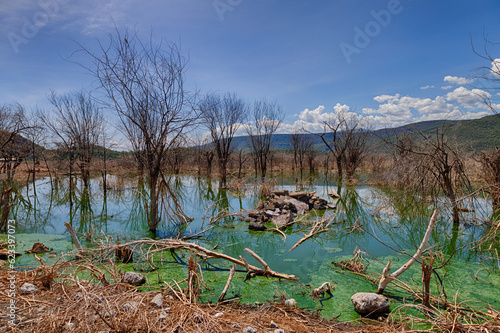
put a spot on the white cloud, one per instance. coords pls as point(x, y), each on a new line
point(468, 98)
point(457, 80)
point(495, 67)
point(446, 87)
point(427, 87)
point(385, 98)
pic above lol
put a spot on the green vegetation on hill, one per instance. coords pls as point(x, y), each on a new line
point(470, 135)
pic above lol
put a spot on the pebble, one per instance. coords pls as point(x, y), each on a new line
point(157, 301)
point(28, 288)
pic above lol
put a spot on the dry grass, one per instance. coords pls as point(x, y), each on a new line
point(73, 305)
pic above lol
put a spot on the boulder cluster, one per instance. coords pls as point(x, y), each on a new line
point(282, 206)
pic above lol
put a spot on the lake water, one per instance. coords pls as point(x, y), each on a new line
point(379, 222)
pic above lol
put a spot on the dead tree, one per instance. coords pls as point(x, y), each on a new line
point(223, 115)
point(301, 145)
point(144, 83)
point(488, 77)
point(77, 122)
point(427, 164)
point(345, 137)
point(491, 176)
point(14, 149)
point(265, 120)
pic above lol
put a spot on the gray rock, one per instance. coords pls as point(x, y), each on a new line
point(300, 207)
point(273, 324)
point(163, 315)
point(279, 330)
point(331, 206)
point(254, 214)
point(157, 301)
point(369, 303)
point(130, 306)
point(249, 329)
point(271, 213)
point(28, 288)
point(280, 193)
point(298, 195)
point(135, 279)
point(256, 226)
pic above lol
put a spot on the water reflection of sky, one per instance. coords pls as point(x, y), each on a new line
point(383, 224)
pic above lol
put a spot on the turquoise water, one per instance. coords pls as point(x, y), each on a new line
point(378, 222)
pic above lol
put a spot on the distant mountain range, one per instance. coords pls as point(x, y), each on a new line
point(470, 135)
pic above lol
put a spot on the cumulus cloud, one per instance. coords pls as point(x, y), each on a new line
point(457, 80)
point(446, 87)
point(495, 67)
point(427, 87)
point(468, 98)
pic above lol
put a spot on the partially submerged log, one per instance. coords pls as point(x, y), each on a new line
point(165, 244)
point(388, 278)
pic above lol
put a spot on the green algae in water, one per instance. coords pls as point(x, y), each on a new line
point(56, 243)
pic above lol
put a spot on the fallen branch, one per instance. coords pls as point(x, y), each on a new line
point(314, 231)
point(164, 244)
point(228, 283)
point(73, 236)
point(386, 278)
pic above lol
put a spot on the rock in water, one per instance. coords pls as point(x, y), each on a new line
point(256, 226)
point(369, 303)
point(28, 288)
point(38, 248)
point(334, 194)
point(135, 279)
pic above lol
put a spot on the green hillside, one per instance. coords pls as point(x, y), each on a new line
point(470, 135)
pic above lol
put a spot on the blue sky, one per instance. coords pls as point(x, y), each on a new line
point(373, 58)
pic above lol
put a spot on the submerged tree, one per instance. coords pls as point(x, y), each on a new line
point(345, 137)
point(77, 122)
point(301, 145)
point(427, 164)
point(265, 120)
point(14, 149)
point(223, 115)
point(144, 84)
point(491, 175)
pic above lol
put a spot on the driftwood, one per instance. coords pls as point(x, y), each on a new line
point(324, 288)
point(165, 244)
point(73, 236)
point(228, 283)
point(388, 278)
point(318, 228)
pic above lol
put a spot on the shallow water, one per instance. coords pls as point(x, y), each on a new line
point(388, 228)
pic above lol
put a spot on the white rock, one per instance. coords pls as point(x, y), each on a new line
point(290, 303)
point(370, 303)
point(28, 288)
point(157, 301)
